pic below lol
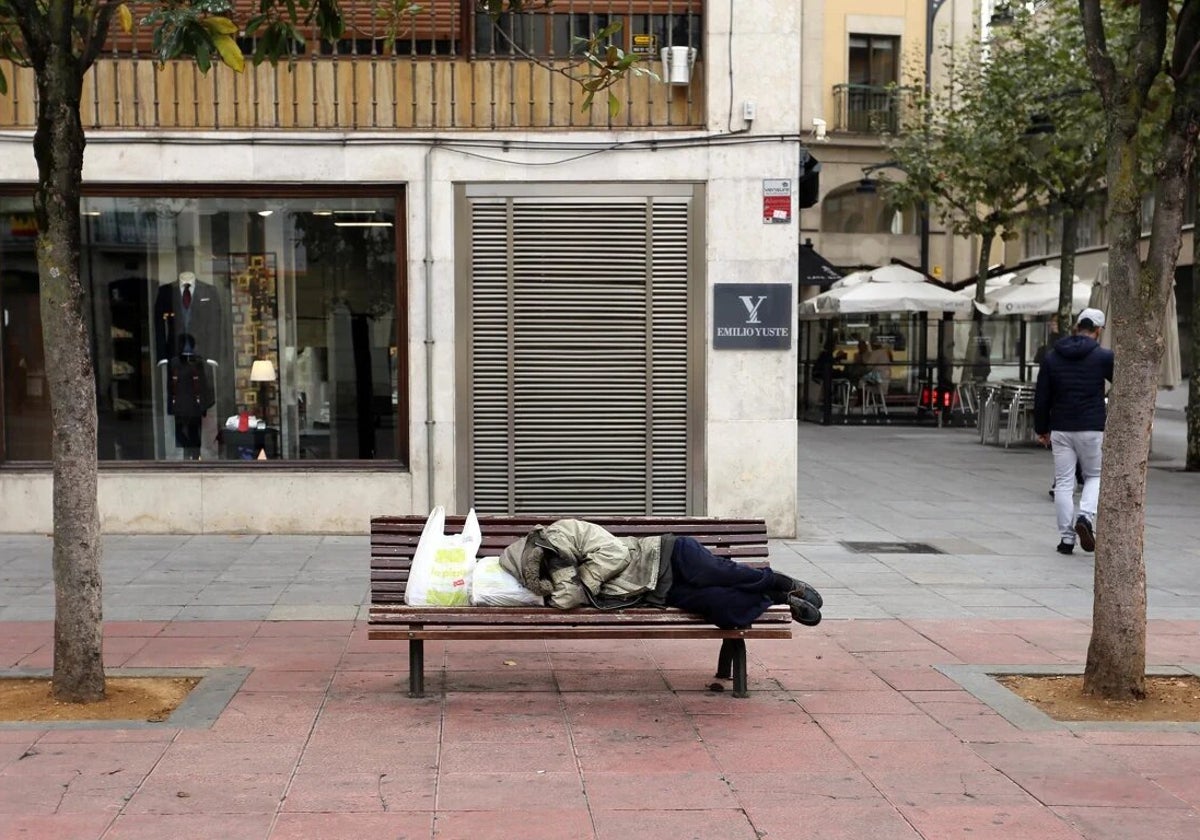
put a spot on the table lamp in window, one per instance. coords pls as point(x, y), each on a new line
point(262, 372)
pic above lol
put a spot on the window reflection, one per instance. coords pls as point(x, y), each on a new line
point(222, 328)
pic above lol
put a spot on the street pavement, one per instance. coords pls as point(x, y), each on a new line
point(881, 722)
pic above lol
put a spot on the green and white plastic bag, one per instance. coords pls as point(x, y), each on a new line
point(443, 563)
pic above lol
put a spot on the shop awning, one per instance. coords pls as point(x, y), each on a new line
point(815, 270)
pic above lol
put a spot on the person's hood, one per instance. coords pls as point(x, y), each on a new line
point(1075, 346)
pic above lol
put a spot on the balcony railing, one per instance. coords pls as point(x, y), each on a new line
point(872, 109)
point(445, 68)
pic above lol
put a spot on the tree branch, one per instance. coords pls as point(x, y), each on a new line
point(98, 35)
point(34, 26)
point(1097, 48)
point(1187, 31)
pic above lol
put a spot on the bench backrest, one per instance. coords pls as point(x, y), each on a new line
point(394, 540)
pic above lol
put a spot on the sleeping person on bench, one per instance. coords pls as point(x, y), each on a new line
point(572, 563)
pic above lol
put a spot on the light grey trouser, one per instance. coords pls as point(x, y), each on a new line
point(1071, 448)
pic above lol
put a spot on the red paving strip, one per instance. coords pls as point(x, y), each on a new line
point(850, 732)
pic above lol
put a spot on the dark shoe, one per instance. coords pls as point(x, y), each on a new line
point(807, 593)
point(1065, 547)
point(1087, 537)
point(804, 612)
point(781, 583)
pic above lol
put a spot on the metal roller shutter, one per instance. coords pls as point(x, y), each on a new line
point(579, 355)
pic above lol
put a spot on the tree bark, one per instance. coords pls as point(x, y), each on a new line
point(1116, 658)
point(58, 148)
point(1066, 277)
point(1192, 463)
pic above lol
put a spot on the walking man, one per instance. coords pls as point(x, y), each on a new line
point(1068, 416)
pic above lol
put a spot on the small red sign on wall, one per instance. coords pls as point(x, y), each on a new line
point(777, 201)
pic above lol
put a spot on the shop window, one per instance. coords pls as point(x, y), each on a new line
point(223, 329)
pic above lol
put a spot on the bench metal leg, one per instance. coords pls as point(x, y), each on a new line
point(416, 667)
point(731, 662)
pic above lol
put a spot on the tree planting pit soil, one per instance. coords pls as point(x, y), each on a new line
point(1174, 699)
point(142, 699)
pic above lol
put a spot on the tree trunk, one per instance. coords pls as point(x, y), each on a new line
point(1193, 405)
point(1066, 277)
point(58, 148)
point(1116, 658)
point(978, 363)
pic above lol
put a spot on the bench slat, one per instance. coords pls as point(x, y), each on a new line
point(648, 616)
point(507, 632)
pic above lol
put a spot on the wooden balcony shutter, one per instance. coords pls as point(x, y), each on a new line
point(579, 356)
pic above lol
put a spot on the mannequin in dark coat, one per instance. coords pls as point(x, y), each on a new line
point(190, 395)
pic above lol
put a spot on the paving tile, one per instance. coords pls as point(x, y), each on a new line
point(369, 755)
point(883, 702)
point(1108, 823)
point(506, 756)
point(650, 791)
point(646, 755)
point(609, 680)
point(990, 822)
point(157, 827)
point(757, 789)
point(213, 756)
point(321, 791)
point(843, 819)
point(549, 824)
point(827, 679)
point(1113, 790)
point(56, 827)
point(652, 824)
point(807, 755)
point(224, 793)
point(882, 727)
point(522, 791)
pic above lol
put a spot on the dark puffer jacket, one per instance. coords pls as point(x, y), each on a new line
point(1070, 386)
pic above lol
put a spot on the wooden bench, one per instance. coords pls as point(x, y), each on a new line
point(394, 540)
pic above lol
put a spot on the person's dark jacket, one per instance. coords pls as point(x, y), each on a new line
point(1070, 386)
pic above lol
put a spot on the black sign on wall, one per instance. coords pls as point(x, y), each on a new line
point(752, 316)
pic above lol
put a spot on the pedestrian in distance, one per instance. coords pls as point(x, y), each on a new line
point(1068, 416)
point(573, 563)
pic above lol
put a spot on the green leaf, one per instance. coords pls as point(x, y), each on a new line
point(614, 105)
point(3, 83)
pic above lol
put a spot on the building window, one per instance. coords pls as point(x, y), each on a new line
point(873, 60)
point(871, 104)
point(223, 328)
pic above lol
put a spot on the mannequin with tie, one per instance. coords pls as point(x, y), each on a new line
point(190, 307)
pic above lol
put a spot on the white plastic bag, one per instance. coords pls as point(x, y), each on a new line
point(493, 586)
point(442, 564)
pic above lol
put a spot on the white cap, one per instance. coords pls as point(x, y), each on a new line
point(1094, 315)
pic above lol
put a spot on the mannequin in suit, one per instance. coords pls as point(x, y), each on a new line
point(189, 306)
point(189, 396)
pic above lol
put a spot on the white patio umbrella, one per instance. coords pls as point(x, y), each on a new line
point(1034, 291)
point(891, 288)
point(1170, 373)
